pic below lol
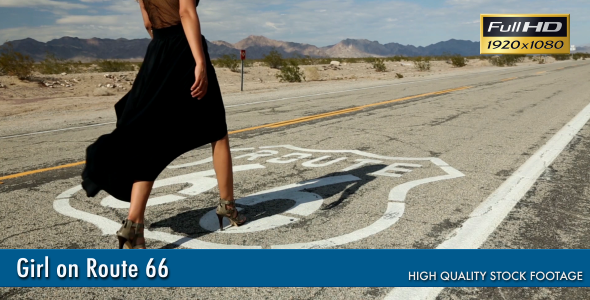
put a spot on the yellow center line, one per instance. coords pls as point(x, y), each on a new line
point(561, 68)
point(541, 72)
point(41, 170)
point(271, 125)
point(315, 118)
point(507, 79)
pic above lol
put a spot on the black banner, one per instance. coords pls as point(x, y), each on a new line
point(525, 26)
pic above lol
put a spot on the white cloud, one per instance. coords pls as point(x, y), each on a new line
point(41, 3)
point(320, 22)
point(271, 25)
point(91, 20)
point(46, 33)
point(126, 6)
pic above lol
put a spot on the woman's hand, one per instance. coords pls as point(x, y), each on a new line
point(199, 88)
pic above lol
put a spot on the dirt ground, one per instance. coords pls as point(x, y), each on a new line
point(77, 97)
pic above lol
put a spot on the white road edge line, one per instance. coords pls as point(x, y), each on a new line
point(489, 214)
point(275, 100)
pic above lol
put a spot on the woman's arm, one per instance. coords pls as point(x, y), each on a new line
point(192, 30)
point(146, 19)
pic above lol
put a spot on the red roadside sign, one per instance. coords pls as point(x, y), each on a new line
point(243, 54)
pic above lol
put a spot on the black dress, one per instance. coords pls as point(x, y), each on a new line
point(158, 119)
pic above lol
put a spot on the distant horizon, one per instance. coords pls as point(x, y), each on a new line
point(320, 23)
point(382, 43)
point(280, 40)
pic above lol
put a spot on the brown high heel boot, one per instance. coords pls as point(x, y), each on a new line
point(128, 235)
point(231, 213)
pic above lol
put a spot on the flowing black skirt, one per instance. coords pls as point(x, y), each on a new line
point(157, 120)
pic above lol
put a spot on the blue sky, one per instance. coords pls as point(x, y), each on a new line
point(320, 23)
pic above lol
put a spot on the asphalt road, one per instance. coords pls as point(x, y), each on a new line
point(400, 165)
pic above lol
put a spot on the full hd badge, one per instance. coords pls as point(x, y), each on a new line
point(525, 34)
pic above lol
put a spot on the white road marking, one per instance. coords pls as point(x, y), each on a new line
point(489, 214)
point(306, 203)
point(109, 227)
point(436, 161)
point(395, 209)
point(281, 99)
point(360, 163)
point(395, 205)
point(314, 163)
point(298, 156)
point(392, 214)
point(393, 170)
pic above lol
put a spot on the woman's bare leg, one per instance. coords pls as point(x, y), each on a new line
point(223, 168)
point(139, 197)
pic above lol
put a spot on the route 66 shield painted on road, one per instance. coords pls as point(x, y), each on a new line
point(304, 203)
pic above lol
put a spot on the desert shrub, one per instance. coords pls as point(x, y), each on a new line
point(53, 65)
point(304, 60)
point(15, 63)
point(398, 75)
point(419, 58)
point(446, 56)
point(541, 60)
point(114, 66)
point(579, 55)
point(77, 67)
point(394, 58)
point(379, 65)
point(422, 63)
point(274, 59)
point(458, 61)
point(507, 60)
point(498, 61)
point(229, 61)
point(248, 63)
point(312, 74)
point(369, 60)
point(323, 61)
point(352, 60)
point(561, 56)
point(290, 72)
point(519, 57)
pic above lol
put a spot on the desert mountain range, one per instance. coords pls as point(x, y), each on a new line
point(256, 47)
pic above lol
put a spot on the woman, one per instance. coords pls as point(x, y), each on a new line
point(174, 106)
